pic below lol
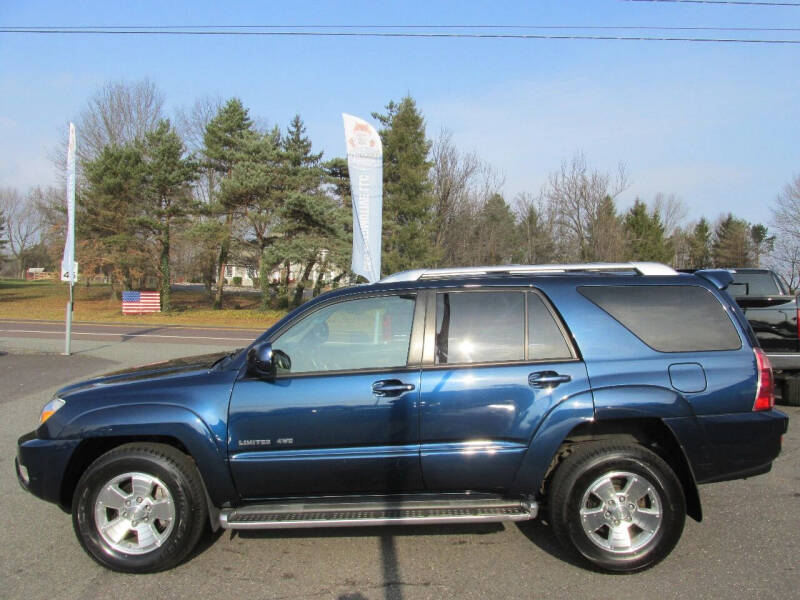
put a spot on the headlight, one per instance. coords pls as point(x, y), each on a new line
point(49, 409)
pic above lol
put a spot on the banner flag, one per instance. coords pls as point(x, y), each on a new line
point(365, 164)
point(68, 266)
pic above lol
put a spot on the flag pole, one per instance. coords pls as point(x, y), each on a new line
point(68, 264)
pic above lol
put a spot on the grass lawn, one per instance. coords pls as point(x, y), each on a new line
point(47, 300)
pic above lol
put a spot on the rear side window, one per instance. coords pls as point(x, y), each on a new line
point(477, 327)
point(545, 340)
point(488, 327)
point(668, 318)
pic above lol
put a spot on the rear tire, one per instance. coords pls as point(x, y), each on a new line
point(617, 505)
point(790, 394)
point(140, 508)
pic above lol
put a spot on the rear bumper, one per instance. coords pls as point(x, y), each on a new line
point(743, 444)
point(40, 465)
point(784, 361)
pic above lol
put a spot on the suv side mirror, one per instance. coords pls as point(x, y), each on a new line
point(264, 362)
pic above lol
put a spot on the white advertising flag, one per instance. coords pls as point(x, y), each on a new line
point(365, 164)
point(68, 266)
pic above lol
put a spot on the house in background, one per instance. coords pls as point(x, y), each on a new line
point(249, 274)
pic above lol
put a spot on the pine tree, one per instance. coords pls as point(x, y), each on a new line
point(762, 242)
point(732, 245)
point(606, 234)
point(311, 222)
point(168, 175)
point(108, 227)
point(496, 232)
point(408, 202)
point(700, 245)
point(645, 233)
point(535, 234)
point(224, 140)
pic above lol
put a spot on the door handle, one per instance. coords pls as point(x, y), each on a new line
point(391, 387)
point(547, 379)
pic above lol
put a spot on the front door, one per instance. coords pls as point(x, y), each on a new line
point(344, 418)
point(495, 362)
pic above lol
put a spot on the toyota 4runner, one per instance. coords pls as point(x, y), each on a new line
point(598, 394)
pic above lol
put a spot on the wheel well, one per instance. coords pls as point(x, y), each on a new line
point(91, 449)
point(651, 433)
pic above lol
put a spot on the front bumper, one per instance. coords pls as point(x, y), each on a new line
point(40, 465)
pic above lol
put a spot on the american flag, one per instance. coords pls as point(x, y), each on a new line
point(140, 302)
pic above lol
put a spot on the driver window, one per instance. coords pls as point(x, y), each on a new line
point(367, 333)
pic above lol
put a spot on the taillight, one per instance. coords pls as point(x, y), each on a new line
point(765, 391)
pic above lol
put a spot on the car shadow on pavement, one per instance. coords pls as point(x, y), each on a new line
point(393, 583)
point(541, 534)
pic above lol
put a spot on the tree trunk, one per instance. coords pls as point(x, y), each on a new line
point(166, 300)
point(301, 285)
point(264, 282)
point(223, 262)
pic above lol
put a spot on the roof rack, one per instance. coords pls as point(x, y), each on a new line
point(641, 268)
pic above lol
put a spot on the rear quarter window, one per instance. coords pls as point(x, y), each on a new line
point(668, 318)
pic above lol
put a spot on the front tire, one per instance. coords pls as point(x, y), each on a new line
point(139, 508)
point(618, 505)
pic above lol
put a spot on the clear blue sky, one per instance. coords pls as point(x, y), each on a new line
point(715, 124)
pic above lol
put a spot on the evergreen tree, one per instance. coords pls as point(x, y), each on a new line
point(311, 222)
point(606, 234)
point(535, 234)
point(408, 202)
point(108, 227)
point(496, 232)
point(732, 245)
point(224, 140)
point(700, 246)
point(168, 175)
point(762, 242)
point(645, 233)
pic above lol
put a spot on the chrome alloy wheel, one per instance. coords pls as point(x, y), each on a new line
point(621, 511)
point(134, 513)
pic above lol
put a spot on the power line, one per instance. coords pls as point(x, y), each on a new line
point(733, 2)
point(373, 34)
point(348, 27)
point(544, 27)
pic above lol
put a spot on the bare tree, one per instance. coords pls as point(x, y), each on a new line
point(577, 194)
point(452, 174)
point(117, 113)
point(536, 223)
point(786, 221)
point(671, 210)
point(462, 185)
point(23, 223)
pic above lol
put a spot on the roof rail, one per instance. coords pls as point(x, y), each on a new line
point(641, 268)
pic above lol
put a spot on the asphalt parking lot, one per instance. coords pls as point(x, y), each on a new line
point(747, 547)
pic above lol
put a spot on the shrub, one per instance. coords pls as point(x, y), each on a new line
point(237, 280)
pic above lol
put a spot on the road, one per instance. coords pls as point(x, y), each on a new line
point(31, 329)
point(747, 547)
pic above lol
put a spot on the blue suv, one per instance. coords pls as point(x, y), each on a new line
point(602, 394)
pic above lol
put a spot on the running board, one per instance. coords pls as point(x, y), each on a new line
point(364, 513)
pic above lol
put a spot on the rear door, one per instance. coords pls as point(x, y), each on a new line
point(495, 361)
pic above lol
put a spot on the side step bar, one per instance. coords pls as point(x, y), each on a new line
point(390, 512)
